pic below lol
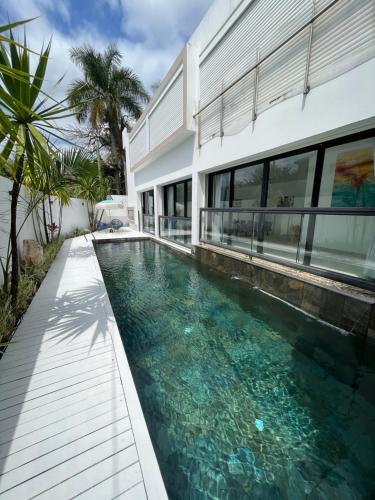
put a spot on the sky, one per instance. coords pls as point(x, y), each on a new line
point(149, 33)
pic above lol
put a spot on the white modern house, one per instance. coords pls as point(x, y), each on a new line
point(261, 137)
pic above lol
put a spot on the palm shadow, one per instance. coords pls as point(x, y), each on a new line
point(73, 317)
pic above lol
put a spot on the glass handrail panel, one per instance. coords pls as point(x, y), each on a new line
point(212, 227)
point(149, 223)
point(238, 229)
point(280, 235)
point(345, 244)
point(176, 229)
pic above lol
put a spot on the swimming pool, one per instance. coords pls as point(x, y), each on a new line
point(244, 396)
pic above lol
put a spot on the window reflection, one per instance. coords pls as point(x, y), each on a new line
point(180, 200)
point(177, 199)
point(248, 186)
point(221, 190)
point(148, 202)
point(291, 181)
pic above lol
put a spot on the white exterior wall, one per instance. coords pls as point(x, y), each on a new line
point(74, 216)
point(340, 106)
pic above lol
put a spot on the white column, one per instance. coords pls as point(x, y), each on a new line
point(138, 211)
point(198, 202)
point(158, 197)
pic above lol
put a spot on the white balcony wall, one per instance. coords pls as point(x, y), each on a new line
point(342, 38)
point(168, 114)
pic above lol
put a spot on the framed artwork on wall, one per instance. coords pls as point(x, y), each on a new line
point(354, 180)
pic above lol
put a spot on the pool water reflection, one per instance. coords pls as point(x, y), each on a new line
point(244, 396)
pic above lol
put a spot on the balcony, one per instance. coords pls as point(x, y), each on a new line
point(168, 119)
point(336, 243)
point(175, 229)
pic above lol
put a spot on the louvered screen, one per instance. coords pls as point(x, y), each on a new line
point(263, 26)
point(209, 126)
point(238, 106)
point(168, 114)
point(138, 145)
point(343, 37)
point(282, 75)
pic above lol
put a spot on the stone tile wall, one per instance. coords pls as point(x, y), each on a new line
point(351, 312)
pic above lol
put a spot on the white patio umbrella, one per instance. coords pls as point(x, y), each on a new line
point(108, 205)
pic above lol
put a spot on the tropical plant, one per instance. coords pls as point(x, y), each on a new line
point(108, 95)
point(27, 114)
point(81, 168)
point(48, 184)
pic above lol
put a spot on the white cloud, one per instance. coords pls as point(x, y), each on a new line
point(154, 32)
point(162, 23)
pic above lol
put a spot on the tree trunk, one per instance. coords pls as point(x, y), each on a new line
point(15, 272)
point(118, 154)
point(50, 217)
point(45, 222)
point(60, 220)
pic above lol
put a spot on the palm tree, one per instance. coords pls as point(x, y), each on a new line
point(27, 114)
point(108, 95)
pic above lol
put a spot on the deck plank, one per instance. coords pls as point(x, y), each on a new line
point(70, 423)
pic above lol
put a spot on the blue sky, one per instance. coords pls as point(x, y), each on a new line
point(149, 33)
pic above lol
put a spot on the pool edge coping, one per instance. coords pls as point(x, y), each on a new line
point(152, 477)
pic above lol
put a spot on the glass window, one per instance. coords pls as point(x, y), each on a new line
point(348, 178)
point(247, 186)
point(148, 202)
point(170, 201)
point(177, 199)
point(221, 190)
point(151, 203)
point(188, 201)
point(180, 200)
point(291, 181)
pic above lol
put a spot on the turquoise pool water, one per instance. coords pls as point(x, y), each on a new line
point(244, 396)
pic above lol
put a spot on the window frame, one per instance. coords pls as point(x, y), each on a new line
point(320, 148)
point(149, 192)
point(165, 198)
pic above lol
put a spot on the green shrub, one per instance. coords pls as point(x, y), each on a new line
point(30, 280)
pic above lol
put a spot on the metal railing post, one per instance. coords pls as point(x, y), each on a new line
point(256, 82)
point(222, 227)
point(199, 126)
point(222, 113)
point(306, 86)
point(299, 238)
point(252, 234)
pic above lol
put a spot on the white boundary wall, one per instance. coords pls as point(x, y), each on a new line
point(74, 216)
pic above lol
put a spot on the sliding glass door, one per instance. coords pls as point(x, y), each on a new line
point(148, 211)
point(175, 224)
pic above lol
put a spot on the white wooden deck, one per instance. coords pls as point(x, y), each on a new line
point(70, 420)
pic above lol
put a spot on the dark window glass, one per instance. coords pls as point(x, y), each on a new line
point(170, 201)
point(188, 201)
point(221, 190)
point(177, 199)
point(248, 186)
point(180, 199)
point(148, 202)
point(291, 181)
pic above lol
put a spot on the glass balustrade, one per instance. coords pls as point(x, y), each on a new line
point(148, 223)
point(176, 229)
point(324, 241)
